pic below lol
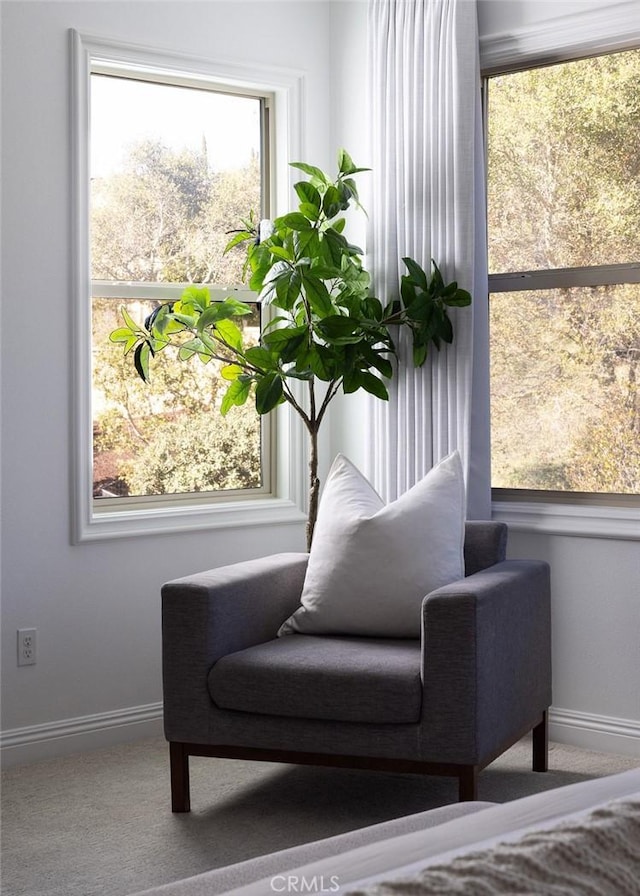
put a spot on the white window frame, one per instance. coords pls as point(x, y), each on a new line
point(286, 500)
point(587, 33)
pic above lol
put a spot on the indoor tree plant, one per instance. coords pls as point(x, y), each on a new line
point(328, 333)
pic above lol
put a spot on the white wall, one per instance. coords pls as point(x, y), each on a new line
point(96, 606)
point(350, 129)
point(596, 638)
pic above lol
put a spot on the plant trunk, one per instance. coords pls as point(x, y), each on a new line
point(314, 486)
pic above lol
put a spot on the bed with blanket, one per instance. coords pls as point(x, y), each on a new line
point(577, 840)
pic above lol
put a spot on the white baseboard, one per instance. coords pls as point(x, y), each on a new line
point(590, 732)
point(50, 739)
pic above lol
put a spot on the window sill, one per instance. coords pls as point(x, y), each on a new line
point(569, 519)
point(230, 515)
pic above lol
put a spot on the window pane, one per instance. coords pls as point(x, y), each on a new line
point(173, 170)
point(167, 437)
point(564, 161)
point(565, 393)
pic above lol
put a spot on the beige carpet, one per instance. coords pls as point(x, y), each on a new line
point(99, 824)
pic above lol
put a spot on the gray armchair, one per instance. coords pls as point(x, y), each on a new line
point(448, 703)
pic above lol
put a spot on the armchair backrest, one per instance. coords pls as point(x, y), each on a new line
point(485, 543)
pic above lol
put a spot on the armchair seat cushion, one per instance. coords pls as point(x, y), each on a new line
point(346, 679)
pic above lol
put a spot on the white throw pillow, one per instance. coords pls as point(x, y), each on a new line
point(372, 564)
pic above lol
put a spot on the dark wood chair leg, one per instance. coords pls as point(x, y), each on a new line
point(540, 742)
point(179, 763)
point(468, 783)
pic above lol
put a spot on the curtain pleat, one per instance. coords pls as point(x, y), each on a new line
point(427, 201)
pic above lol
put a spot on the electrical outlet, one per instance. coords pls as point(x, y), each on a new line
point(26, 646)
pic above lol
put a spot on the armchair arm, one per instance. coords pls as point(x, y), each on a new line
point(486, 659)
point(485, 543)
point(210, 614)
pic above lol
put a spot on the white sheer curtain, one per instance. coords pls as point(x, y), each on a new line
point(427, 201)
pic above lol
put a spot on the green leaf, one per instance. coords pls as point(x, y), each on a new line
point(445, 329)
point(229, 333)
point(306, 242)
point(157, 345)
point(437, 283)
point(260, 357)
point(373, 308)
point(392, 309)
point(288, 289)
point(268, 393)
point(338, 246)
point(129, 321)
point(416, 273)
point(198, 296)
point(345, 162)
point(459, 299)
point(236, 395)
point(375, 359)
point(130, 344)
point(407, 290)
point(290, 349)
point(187, 320)
point(191, 348)
point(275, 270)
point(122, 334)
point(231, 371)
point(336, 326)
point(315, 173)
point(274, 321)
point(277, 339)
point(346, 165)
point(374, 385)
point(294, 220)
point(348, 191)
point(332, 202)
point(210, 316)
point(308, 193)
point(281, 252)
point(162, 321)
point(261, 265)
point(141, 358)
point(422, 308)
point(322, 362)
point(240, 237)
point(309, 211)
point(171, 325)
point(272, 273)
point(211, 346)
point(419, 354)
point(150, 321)
point(317, 294)
point(351, 190)
point(325, 271)
point(224, 310)
point(351, 381)
point(237, 308)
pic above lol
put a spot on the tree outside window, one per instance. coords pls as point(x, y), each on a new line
point(173, 169)
point(564, 254)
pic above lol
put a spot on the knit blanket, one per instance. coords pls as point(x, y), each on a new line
point(595, 854)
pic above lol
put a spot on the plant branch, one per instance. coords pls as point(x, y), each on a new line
point(332, 391)
point(289, 397)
